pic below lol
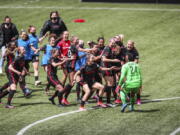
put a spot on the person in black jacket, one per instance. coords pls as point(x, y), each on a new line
point(54, 26)
point(8, 33)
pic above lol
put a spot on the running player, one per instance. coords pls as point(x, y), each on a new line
point(34, 40)
point(16, 70)
point(52, 77)
point(89, 82)
point(9, 57)
point(130, 81)
point(107, 60)
point(130, 48)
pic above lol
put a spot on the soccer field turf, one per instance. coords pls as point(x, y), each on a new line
point(157, 36)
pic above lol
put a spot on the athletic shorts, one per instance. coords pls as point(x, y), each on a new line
point(129, 90)
point(27, 64)
point(107, 73)
point(69, 69)
point(35, 58)
point(13, 78)
point(53, 80)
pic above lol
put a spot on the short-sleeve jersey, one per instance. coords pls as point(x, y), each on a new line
point(34, 42)
point(64, 47)
point(131, 73)
point(26, 45)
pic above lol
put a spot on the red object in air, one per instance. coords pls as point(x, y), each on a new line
point(79, 20)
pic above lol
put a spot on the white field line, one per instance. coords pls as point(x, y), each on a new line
point(23, 130)
point(175, 132)
point(91, 8)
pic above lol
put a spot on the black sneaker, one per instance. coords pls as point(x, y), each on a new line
point(61, 105)
point(52, 101)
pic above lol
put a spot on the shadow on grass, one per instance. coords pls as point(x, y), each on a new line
point(38, 103)
point(147, 111)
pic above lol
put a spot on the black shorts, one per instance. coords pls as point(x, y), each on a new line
point(89, 83)
point(27, 64)
point(107, 73)
point(99, 78)
point(13, 78)
point(69, 69)
point(53, 80)
point(35, 58)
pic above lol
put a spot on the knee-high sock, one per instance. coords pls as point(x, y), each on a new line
point(138, 96)
point(114, 93)
point(4, 93)
point(11, 95)
point(78, 90)
point(60, 96)
point(123, 97)
point(47, 87)
point(67, 90)
point(108, 92)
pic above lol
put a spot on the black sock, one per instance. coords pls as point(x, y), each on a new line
point(4, 93)
point(78, 90)
point(100, 99)
point(82, 103)
point(108, 92)
point(47, 87)
point(114, 93)
point(67, 90)
point(60, 95)
point(138, 96)
point(11, 94)
point(5, 86)
point(36, 78)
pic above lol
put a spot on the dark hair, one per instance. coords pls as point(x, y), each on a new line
point(52, 36)
point(6, 17)
point(99, 38)
point(12, 42)
point(56, 12)
point(29, 28)
point(130, 57)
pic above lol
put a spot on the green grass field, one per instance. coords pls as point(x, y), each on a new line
point(157, 37)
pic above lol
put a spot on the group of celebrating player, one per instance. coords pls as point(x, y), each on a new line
point(102, 68)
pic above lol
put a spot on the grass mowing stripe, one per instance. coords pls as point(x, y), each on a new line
point(91, 8)
point(22, 131)
point(175, 132)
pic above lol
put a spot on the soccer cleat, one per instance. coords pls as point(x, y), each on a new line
point(9, 106)
point(61, 105)
point(27, 92)
point(82, 108)
point(52, 101)
point(37, 83)
point(117, 101)
point(131, 108)
point(138, 101)
point(110, 105)
point(101, 104)
point(123, 107)
point(64, 101)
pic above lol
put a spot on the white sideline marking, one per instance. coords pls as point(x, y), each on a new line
point(175, 132)
point(23, 130)
point(91, 8)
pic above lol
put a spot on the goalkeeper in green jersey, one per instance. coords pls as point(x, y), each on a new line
point(130, 81)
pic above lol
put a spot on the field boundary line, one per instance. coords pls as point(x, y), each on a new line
point(92, 8)
point(23, 130)
point(175, 131)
